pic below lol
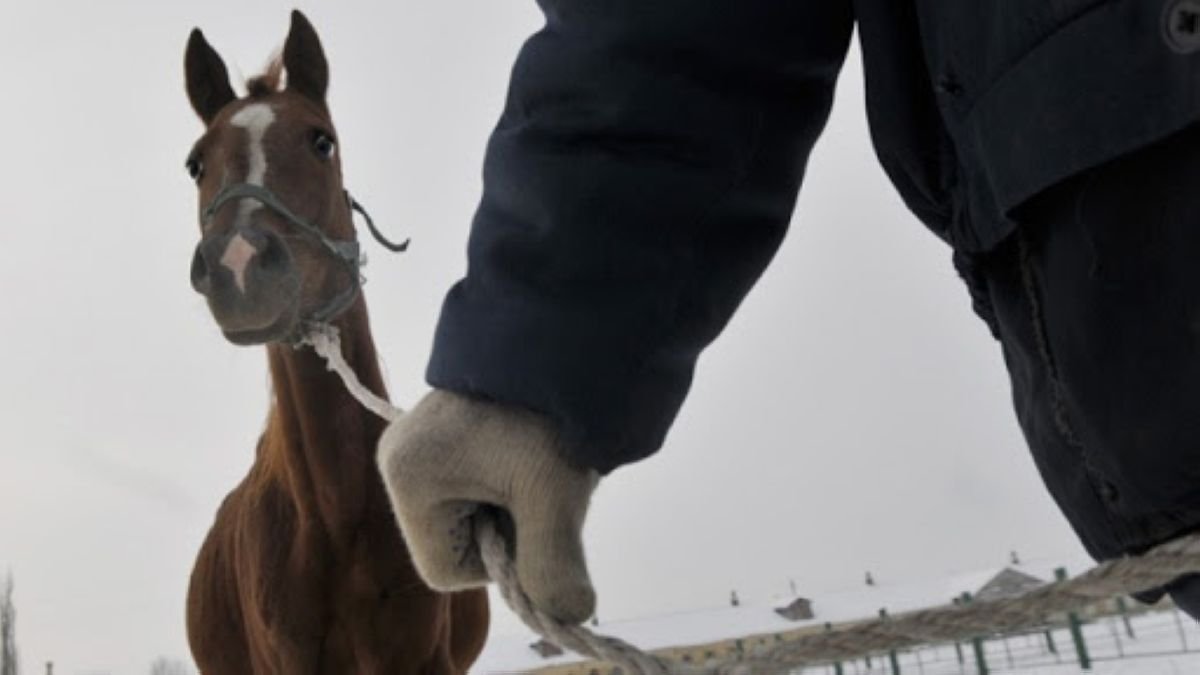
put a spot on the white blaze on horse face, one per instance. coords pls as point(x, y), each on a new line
point(237, 256)
point(255, 119)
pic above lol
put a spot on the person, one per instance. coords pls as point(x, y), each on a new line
point(644, 171)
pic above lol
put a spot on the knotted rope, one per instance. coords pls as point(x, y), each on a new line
point(1037, 608)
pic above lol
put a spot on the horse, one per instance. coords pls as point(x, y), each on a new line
point(304, 570)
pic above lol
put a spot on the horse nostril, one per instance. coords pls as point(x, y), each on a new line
point(200, 277)
point(271, 254)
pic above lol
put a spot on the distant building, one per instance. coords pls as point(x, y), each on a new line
point(1009, 583)
point(799, 609)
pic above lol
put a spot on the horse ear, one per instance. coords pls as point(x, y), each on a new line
point(304, 60)
point(207, 79)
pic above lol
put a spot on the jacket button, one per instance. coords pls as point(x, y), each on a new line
point(1181, 25)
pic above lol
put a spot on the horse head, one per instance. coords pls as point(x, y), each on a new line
point(277, 247)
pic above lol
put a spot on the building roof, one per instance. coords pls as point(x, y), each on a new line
point(799, 609)
point(1009, 583)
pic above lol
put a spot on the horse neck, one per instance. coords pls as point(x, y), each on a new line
point(320, 442)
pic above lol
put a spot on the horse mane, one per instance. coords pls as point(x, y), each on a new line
point(269, 81)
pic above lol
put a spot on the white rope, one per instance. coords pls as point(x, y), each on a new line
point(500, 568)
point(324, 340)
point(1037, 608)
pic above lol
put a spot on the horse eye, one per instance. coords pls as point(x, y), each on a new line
point(324, 145)
point(195, 168)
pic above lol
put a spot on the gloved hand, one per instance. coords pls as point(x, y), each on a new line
point(452, 454)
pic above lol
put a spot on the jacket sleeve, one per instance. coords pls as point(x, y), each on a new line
point(640, 179)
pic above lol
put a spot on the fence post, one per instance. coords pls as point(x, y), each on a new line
point(1085, 660)
point(1123, 609)
point(977, 644)
point(1179, 625)
point(837, 665)
point(1050, 644)
point(1112, 628)
point(883, 616)
point(980, 656)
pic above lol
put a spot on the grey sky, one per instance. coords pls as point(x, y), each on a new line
point(855, 415)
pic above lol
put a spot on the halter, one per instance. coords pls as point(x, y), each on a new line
point(344, 250)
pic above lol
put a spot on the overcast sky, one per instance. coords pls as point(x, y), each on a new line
point(854, 416)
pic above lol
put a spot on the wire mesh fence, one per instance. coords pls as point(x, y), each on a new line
point(1051, 650)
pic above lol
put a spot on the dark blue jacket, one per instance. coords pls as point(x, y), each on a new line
point(650, 153)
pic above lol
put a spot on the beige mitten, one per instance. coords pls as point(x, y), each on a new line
point(451, 455)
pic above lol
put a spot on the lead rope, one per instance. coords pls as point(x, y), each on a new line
point(1040, 607)
point(324, 340)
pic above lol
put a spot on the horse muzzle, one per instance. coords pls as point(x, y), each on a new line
point(251, 284)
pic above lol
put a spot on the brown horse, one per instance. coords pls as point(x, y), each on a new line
point(304, 570)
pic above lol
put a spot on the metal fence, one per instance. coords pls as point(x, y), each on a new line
point(1053, 650)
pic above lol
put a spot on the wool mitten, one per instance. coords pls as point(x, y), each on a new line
point(452, 455)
